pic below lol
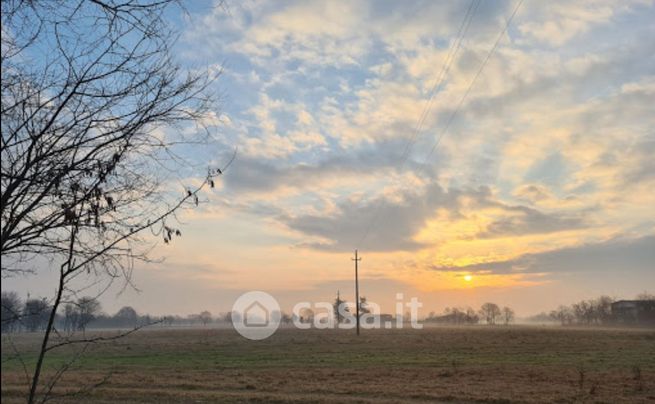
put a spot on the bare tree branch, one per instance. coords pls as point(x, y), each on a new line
point(93, 114)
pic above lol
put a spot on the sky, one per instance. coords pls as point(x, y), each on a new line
point(465, 161)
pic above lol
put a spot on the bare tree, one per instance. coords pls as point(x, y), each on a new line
point(602, 309)
point(490, 312)
point(88, 89)
point(88, 308)
point(455, 315)
point(71, 317)
point(583, 312)
point(645, 296)
point(205, 317)
point(127, 316)
point(11, 309)
point(35, 314)
point(471, 316)
point(594, 311)
point(508, 315)
point(588, 312)
point(563, 314)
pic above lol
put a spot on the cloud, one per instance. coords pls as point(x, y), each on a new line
point(549, 156)
point(392, 224)
point(322, 32)
point(389, 225)
point(628, 255)
point(557, 22)
point(521, 221)
point(533, 193)
point(559, 138)
point(642, 171)
point(375, 162)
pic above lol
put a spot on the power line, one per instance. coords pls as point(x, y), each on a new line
point(436, 88)
point(468, 90)
point(454, 113)
point(461, 33)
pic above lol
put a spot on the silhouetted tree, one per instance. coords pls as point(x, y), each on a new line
point(490, 312)
point(35, 314)
point(594, 311)
point(563, 314)
point(471, 316)
point(88, 308)
point(602, 309)
point(587, 312)
point(127, 316)
point(87, 88)
point(11, 311)
point(205, 317)
point(583, 312)
point(455, 315)
point(71, 317)
point(508, 315)
point(78, 314)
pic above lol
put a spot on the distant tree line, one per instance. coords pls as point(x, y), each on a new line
point(596, 311)
point(32, 315)
point(488, 313)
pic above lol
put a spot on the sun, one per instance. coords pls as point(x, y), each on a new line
point(468, 278)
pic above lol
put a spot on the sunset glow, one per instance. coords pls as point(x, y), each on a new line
point(529, 180)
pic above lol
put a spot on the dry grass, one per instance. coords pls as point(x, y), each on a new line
point(515, 364)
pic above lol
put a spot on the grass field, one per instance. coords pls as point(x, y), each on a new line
point(472, 364)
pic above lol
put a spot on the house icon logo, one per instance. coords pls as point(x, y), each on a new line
point(256, 315)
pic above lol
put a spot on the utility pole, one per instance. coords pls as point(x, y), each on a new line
point(356, 259)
